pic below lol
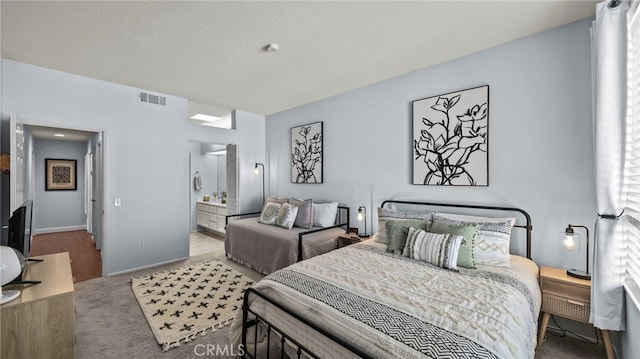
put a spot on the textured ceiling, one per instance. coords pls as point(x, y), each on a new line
point(212, 53)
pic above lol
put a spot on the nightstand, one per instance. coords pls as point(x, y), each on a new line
point(567, 297)
point(348, 239)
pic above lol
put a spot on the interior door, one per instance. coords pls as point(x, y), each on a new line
point(97, 184)
point(233, 205)
point(16, 167)
point(90, 195)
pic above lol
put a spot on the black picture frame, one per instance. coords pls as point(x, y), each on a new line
point(450, 145)
point(61, 174)
point(307, 153)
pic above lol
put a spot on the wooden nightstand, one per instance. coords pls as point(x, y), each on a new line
point(567, 297)
point(348, 239)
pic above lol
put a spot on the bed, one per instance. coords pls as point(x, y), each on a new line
point(362, 301)
point(267, 248)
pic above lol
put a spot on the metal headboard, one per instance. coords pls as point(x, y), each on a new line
point(527, 226)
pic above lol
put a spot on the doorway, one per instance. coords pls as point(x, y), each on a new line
point(60, 217)
point(213, 189)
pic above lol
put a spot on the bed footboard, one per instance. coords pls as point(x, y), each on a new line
point(279, 335)
point(343, 212)
point(251, 214)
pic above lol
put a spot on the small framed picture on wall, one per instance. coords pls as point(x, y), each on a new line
point(60, 175)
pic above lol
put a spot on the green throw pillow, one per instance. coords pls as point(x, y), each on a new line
point(397, 231)
point(465, 255)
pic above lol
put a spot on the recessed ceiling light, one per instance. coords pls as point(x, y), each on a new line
point(59, 134)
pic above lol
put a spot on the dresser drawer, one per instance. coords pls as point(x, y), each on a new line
point(567, 290)
point(202, 207)
point(221, 211)
point(568, 308)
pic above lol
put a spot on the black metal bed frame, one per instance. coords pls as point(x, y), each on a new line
point(301, 349)
point(343, 211)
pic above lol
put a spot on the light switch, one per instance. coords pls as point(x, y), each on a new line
point(118, 202)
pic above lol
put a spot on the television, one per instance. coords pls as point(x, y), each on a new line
point(20, 228)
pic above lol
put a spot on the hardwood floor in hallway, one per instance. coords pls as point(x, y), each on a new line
point(86, 262)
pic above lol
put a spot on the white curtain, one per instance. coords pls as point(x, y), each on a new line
point(609, 61)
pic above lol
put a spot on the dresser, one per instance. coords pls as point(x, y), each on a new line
point(39, 323)
point(211, 215)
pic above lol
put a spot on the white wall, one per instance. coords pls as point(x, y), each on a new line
point(58, 210)
point(146, 160)
point(540, 150)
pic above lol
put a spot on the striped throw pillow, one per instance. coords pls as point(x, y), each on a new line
point(438, 249)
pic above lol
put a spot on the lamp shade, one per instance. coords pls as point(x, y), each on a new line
point(257, 171)
point(571, 243)
point(11, 265)
point(362, 216)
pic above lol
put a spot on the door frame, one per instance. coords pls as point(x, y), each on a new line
point(15, 119)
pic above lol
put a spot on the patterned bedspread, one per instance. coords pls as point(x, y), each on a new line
point(392, 306)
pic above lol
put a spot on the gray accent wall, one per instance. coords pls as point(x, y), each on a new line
point(58, 210)
point(540, 143)
point(540, 137)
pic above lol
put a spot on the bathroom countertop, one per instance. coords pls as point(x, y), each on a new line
point(213, 203)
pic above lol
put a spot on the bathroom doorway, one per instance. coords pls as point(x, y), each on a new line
point(213, 186)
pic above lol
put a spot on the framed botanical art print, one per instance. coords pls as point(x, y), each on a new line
point(60, 175)
point(451, 139)
point(306, 153)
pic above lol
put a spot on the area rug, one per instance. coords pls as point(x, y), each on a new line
point(183, 303)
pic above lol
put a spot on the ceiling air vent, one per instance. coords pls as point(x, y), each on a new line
point(152, 99)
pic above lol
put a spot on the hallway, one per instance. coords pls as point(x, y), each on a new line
point(86, 262)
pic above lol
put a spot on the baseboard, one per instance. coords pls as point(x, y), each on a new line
point(60, 229)
point(147, 266)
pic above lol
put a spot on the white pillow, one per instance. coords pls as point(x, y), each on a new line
point(475, 219)
point(324, 214)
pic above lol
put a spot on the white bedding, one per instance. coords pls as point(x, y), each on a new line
point(392, 306)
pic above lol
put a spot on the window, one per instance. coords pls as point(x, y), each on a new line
point(632, 170)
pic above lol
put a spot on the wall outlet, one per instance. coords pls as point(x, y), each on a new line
point(141, 246)
point(118, 202)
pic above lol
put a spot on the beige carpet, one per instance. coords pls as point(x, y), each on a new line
point(110, 324)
